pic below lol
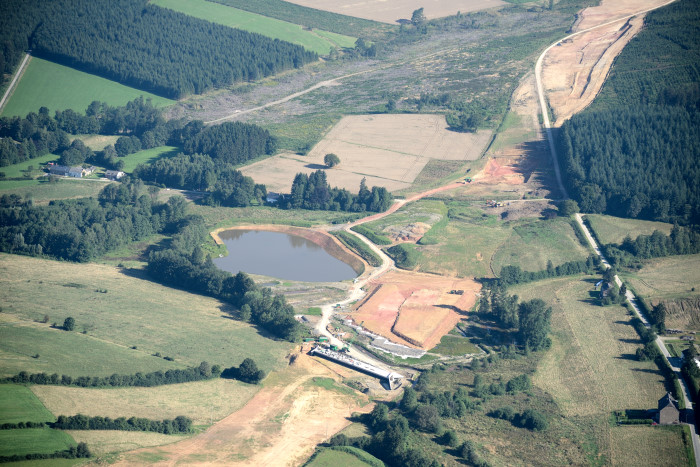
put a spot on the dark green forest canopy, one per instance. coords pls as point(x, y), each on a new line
point(141, 45)
point(636, 151)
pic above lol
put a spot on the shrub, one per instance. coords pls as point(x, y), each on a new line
point(533, 420)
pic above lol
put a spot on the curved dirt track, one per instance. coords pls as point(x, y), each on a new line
point(279, 426)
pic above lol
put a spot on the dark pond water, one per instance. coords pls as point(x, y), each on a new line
point(280, 255)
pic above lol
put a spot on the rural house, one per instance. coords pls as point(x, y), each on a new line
point(114, 174)
point(75, 172)
point(668, 411)
point(59, 170)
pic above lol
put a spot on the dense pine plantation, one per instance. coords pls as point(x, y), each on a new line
point(144, 46)
point(635, 152)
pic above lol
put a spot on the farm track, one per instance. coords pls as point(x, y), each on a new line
point(18, 74)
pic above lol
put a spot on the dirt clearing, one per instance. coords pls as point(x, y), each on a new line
point(387, 150)
point(281, 425)
point(574, 71)
point(391, 12)
point(414, 309)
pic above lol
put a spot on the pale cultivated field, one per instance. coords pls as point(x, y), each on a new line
point(106, 441)
point(415, 309)
point(648, 446)
point(387, 150)
point(391, 11)
point(203, 401)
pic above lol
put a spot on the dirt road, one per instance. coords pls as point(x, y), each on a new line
point(540, 88)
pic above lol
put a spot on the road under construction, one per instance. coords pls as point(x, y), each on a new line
point(394, 380)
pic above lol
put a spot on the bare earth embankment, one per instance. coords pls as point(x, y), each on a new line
point(574, 72)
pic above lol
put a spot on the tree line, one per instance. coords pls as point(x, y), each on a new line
point(80, 230)
point(180, 424)
point(157, 378)
point(681, 241)
point(633, 152)
point(513, 274)
point(144, 46)
point(313, 192)
point(81, 451)
point(185, 266)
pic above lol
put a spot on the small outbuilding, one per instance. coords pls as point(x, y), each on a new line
point(668, 413)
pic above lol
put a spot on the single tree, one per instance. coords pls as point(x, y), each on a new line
point(331, 160)
point(534, 319)
point(248, 372)
point(418, 18)
point(69, 324)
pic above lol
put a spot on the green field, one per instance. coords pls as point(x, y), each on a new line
point(57, 87)
point(41, 191)
point(667, 278)
point(33, 440)
point(133, 312)
point(148, 156)
point(591, 369)
point(455, 345)
point(19, 404)
point(533, 242)
point(329, 457)
point(611, 229)
point(320, 42)
point(221, 397)
point(313, 18)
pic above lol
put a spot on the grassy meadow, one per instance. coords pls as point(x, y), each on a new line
point(591, 369)
point(610, 229)
point(132, 312)
point(202, 401)
point(533, 242)
point(57, 87)
point(667, 278)
point(148, 156)
point(104, 442)
point(19, 404)
point(33, 440)
point(41, 191)
point(468, 242)
point(252, 22)
point(328, 457)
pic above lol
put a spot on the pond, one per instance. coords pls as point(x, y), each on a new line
point(280, 255)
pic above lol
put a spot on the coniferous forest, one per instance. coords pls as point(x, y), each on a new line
point(636, 151)
point(141, 45)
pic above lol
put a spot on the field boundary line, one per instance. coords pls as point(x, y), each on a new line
point(15, 79)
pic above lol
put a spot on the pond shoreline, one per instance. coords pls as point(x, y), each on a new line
point(321, 238)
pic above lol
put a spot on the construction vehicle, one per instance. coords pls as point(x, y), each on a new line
point(334, 347)
point(345, 349)
point(468, 180)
